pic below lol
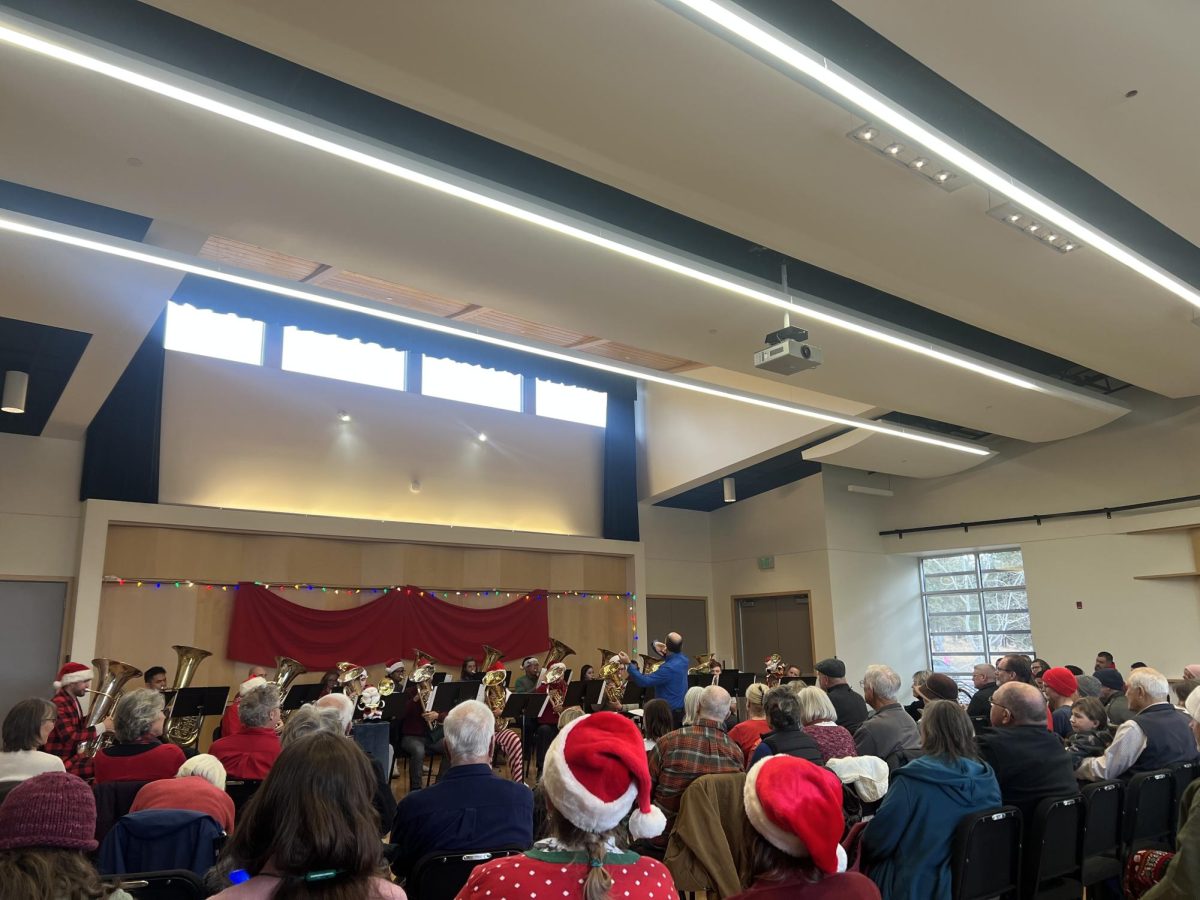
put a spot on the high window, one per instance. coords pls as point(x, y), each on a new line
point(207, 333)
point(452, 380)
point(574, 404)
point(331, 356)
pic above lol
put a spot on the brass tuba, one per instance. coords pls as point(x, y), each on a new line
point(349, 677)
point(650, 663)
point(184, 731)
point(493, 684)
point(112, 676)
point(287, 670)
point(553, 670)
point(614, 675)
point(773, 666)
point(422, 676)
point(703, 663)
point(557, 653)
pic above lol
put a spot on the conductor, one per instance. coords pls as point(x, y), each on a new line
point(670, 680)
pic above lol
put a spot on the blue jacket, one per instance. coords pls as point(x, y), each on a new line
point(155, 840)
point(906, 847)
point(669, 681)
point(471, 808)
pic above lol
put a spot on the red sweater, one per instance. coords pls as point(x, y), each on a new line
point(231, 724)
point(748, 735)
point(144, 761)
point(249, 754)
point(190, 792)
point(562, 875)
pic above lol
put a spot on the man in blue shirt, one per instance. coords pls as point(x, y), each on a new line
point(670, 680)
point(472, 808)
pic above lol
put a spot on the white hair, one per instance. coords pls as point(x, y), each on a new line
point(883, 682)
point(1152, 681)
point(254, 708)
point(206, 766)
point(714, 703)
point(339, 703)
point(309, 720)
point(469, 730)
point(815, 706)
point(135, 714)
point(691, 704)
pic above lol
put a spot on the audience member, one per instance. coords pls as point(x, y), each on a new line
point(657, 722)
point(199, 785)
point(26, 729)
point(1061, 690)
point(1089, 730)
point(918, 702)
point(1038, 668)
point(792, 672)
point(1087, 686)
point(1192, 672)
point(820, 723)
point(795, 809)
point(1137, 665)
point(472, 808)
point(1112, 695)
point(906, 846)
point(984, 679)
point(334, 713)
point(691, 704)
point(1154, 738)
point(748, 733)
point(1181, 690)
point(851, 707)
point(231, 722)
point(1074, 670)
point(1029, 761)
point(939, 687)
point(138, 755)
point(891, 734)
point(312, 821)
point(685, 754)
point(71, 731)
point(595, 771)
point(1014, 668)
point(47, 826)
point(251, 752)
point(1104, 660)
point(787, 735)
point(155, 678)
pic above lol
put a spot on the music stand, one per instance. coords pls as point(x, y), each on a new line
point(524, 706)
point(199, 702)
point(439, 678)
point(394, 707)
point(809, 680)
point(699, 679)
point(579, 691)
point(636, 696)
point(449, 694)
point(301, 694)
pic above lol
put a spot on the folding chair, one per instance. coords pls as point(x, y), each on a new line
point(240, 792)
point(1102, 803)
point(1183, 773)
point(1149, 819)
point(176, 884)
point(985, 860)
point(1053, 860)
point(439, 876)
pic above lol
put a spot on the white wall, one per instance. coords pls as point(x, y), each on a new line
point(249, 438)
point(39, 506)
point(678, 548)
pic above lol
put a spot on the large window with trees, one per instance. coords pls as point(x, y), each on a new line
point(976, 609)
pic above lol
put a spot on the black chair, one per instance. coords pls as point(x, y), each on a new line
point(1149, 819)
point(178, 884)
point(5, 787)
point(1183, 774)
point(240, 792)
point(113, 800)
point(1053, 862)
point(1102, 802)
point(440, 876)
point(985, 860)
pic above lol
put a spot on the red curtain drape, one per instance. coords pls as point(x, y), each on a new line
point(265, 625)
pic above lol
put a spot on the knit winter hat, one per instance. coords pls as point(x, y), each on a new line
point(250, 684)
point(1087, 685)
point(1111, 679)
point(392, 665)
point(595, 770)
point(1061, 681)
point(71, 673)
point(1192, 671)
point(53, 809)
point(797, 807)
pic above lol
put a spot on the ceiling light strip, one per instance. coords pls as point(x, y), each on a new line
point(782, 47)
point(31, 226)
point(337, 143)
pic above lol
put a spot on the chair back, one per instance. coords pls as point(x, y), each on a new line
point(1054, 843)
point(240, 792)
point(156, 840)
point(440, 876)
point(1103, 802)
point(985, 860)
point(113, 799)
point(5, 787)
point(1184, 773)
point(1149, 819)
point(176, 884)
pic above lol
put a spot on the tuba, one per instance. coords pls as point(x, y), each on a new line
point(614, 675)
point(349, 678)
point(650, 663)
point(184, 731)
point(493, 685)
point(112, 676)
point(286, 671)
point(557, 653)
point(773, 665)
point(422, 676)
point(703, 663)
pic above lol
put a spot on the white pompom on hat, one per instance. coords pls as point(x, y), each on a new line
point(595, 770)
point(72, 673)
point(250, 684)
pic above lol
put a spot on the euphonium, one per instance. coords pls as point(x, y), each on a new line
point(112, 676)
point(650, 663)
point(493, 684)
point(614, 675)
point(387, 684)
point(773, 666)
point(554, 675)
point(350, 679)
point(703, 663)
point(422, 675)
point(184, 731)
point(286, 671)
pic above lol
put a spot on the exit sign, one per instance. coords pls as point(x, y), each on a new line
point(766, 562)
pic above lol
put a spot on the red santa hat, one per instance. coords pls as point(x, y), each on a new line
point(422, 662)
point(392, 665)
point(497, 666)
point(250, 684)
point(595, 770)
point(72, 673)
point(797, 807)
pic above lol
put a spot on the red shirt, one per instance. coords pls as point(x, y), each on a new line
point(550, 717)
point(249, 754)
point(69, 732)
point(140, 761)
point(190, 792)
point(748, 735)
point(556, 875)
point(231, 723)
point(846, 886)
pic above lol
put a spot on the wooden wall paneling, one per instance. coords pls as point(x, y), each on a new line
point(432, 566)
point(605, 574)
point(588, 624)
point(139, 625)
point(566, 572)
point(383, 563)
point(524, 569)
point(481, 568)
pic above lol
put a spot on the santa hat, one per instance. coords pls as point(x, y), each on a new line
point(392, 665)
point(797, 807)
point(595, 770)
point(72, 673)
point(497, 666)
point(422, 662)
point(250, 684)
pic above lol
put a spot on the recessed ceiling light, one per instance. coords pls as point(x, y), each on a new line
point(919, 163)
point(1052, 237)
point(894, 149)
point(482, 438)
point(1019, 220)
point(866, 134)
point(343, 416)
point(1015, 217)
point(1067, 248)
point(943, 176)
point(1034, 227)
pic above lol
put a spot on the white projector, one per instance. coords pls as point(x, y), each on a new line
point(788, 357)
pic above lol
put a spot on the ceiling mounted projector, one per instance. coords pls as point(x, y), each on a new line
point(788, 352)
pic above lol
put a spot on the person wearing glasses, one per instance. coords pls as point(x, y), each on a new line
point(26, 728)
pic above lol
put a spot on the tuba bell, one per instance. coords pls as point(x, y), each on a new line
point(614, 675)
point(495, 693)
point(650, 663)
point(185, 730)
point(703, 663)
point(557, 653)
point(422, 675)
point(112, 676)
point(287, 670)
point(773, 667)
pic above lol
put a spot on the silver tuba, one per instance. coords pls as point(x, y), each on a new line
point(286, 671)
point(185, 730)
point(112, 675)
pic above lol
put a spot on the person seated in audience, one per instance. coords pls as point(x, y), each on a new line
point(1154, 738)
point(891, 734)
point(702, 748)
point(595, 772)
point(820, 724)
point(1028, 759)
point(919, 678)
point(310, 824)
point(795, 809)
point(1087, 686)
point(470, 671)
point(657, 722)
point(47, 828)
point(1038, 668)
point(906, 846)
point(939, 687)
point(1159, 875)
point(1192, 672)
point(26, 729)
point(472, 808)
point(1014, 668)
point(231, 722)
point(748, 733)
point(251, 752)
point(1181, 690)
point(691, 704)
point(984, 679)
point(1137, 665)
point(851, 707)
point(787, 734)
point(1089, 730)
point(1074, 670)
point(138, 755)
point(335, 713)
point(1061, 690)
point(155, 678)
point(199, 785)
point(1112, 695)
point(1104, 660)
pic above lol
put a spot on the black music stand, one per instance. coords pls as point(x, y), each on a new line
point(809, 680)
point(449, 694)
point(580, 691)
point(300, 694)
point(524, 706)
point(199, 702)
point(699, 679)
point(636, 696)
point(735, 682)
point(439, 678)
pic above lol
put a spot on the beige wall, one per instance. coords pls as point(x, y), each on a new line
point(39, 506)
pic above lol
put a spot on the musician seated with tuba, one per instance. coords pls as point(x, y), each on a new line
point(508, 741)
point(420, 733)
point(139, 753)
point(72, 733)
point(231, 722)
point(555, 685)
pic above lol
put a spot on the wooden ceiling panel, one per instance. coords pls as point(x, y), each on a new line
point(257, 259)
point(388, 292)
point(647, 358)
point(499, 321)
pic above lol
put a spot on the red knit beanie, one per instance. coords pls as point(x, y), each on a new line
point(53, 809)
point(1061, 681)
point(797, 807)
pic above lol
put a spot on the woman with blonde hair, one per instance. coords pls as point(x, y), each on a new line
point(747, 734)
point(691, 703)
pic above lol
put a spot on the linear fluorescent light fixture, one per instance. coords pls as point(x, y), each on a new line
point(28, 34)
point(732, 21)
point(43, 229)
point(1046, 235)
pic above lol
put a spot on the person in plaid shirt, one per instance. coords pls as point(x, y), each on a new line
point(686, 753)
point(70, 730)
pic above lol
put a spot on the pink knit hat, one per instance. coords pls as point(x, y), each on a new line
point(53, 809)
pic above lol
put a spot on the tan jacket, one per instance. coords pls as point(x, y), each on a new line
point(710, 849)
